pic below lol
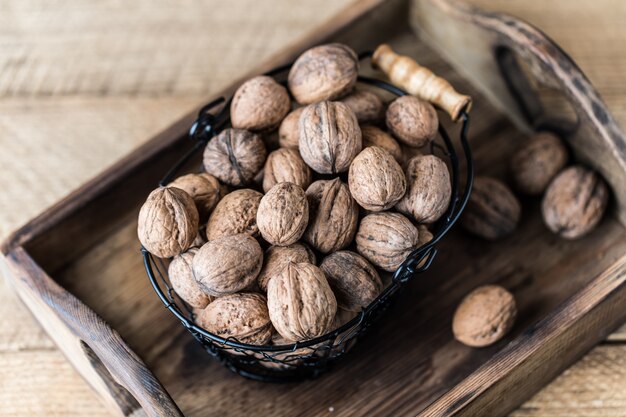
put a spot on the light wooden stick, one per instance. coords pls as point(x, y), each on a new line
point(421, 82)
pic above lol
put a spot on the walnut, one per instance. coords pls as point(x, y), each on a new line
point(330, 137)
point(289, 130)
point(353, 279)
point(367, 106)
point(234, 156)
point(574, 202)
point(325, 72)
point(413, 121)
point(386, 239)
point(242, 316)
point(484, 316)
point(333, 216)
point(538, 161)
point(277, 258)
point(429, 191)
point(181, 277)
point(492, 211)
point(235, 213)
point(168, 222)
point(228, 264)
point(283, 214)
point(205, 190)
point(425, 236)
point(373, 136)
point(286, 165)
point(376, 179)
point(259, 104)
point(300, 302)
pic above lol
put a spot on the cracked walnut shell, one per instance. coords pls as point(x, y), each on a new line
point(333, 216)
point(376, 179)
point(181, 277)
point(286, 165)
point(241, 316)
point(228, 264)
point(325, 72)
point(353, 279)
point(386, 239)
point(235, 156)
point(429, 189)
point(484, 316)
point(283, 214)
point(300, 302)
point(259, 104)
point(234, 214)
point(413, 121)
point(574, 202)
point(329, 137)
point(278, 257)
point(168, 222)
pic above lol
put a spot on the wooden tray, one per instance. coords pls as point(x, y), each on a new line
point(78, 267)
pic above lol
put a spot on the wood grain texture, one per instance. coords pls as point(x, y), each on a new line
point(581, 27)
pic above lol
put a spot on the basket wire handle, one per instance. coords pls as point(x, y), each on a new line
point(421, 82)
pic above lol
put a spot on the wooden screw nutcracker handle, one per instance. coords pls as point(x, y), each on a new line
point(421, 82)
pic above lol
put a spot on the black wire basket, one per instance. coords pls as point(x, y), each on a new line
point(306, 359)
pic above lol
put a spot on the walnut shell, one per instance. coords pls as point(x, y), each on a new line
point(386, 239)
point(366, 105)
point(283, 214)
point(234, 156)
point(330, 137)
point(289, 130)
point(181, 277)
point(373, 136)
point(228, 264)
point(537, 162)
point(278, 257)
point(333, 216)
point(574, 202)
point(234, 214)
point(484, 316)
point(376, 179)
point(205, 190)
point(242, 316)
point(325, 72)
point(286, 165)
point(353, 279)
point(429, 191)
point(300, 302)
point(168, 222)
point(259, 104)
point(413, 121)
point(492, 211)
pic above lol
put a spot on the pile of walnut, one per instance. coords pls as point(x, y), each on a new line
point(574, 200)
point(341, 203)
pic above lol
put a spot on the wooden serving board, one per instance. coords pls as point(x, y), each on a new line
point(79, 270)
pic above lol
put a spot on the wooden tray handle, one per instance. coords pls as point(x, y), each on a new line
point(421, 82)
point(98, 352)
point(477, 43)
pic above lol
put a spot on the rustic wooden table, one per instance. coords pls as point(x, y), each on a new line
point(81, 85)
